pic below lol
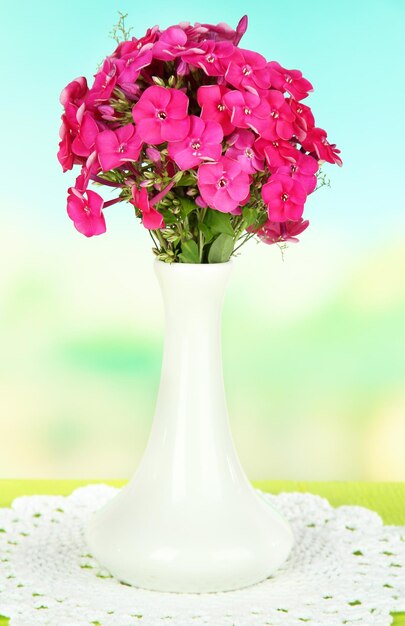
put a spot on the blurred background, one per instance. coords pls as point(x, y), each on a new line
point(314, 345)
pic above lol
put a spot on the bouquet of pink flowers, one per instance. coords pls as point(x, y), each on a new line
point(208, 141)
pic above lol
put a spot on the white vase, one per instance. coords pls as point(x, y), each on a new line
point(189, 520)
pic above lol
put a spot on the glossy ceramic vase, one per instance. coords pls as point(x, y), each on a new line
point(189, 520)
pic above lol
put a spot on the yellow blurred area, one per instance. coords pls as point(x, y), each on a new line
point(313, 357)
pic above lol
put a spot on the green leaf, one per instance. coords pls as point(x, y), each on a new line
point(219, 222)
point(189, 252)
point(250, 216)
point(168, 216)
point(221, 249)
point(207, 232)
point(186, 181)
point(187, 206)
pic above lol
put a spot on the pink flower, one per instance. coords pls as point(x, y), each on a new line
point(223, 32)
point(72, 98)
point(104, 84)
point(200, 202)
point(241, 29)
point(247, 70)
point(196, 33)
point(151, 219)
point(315, 141)
point(233, 121)
point(73, 116)
point(87, 131)
point(85, 210)
point(278, 232)
point(172, 43)
point(277, 153)
point(304, 119)
point(248, 110)
point(91, 167)
point(303, 170)
point(130, 65)
point(154, 155)
point(291, 81)
point(74, 92)
point(203, 142)
point(116, 147)
point(214, 57)
point(280, 123)
point(242, 150)
point(144, 43)
point(161, 115)
point(211, 100)
point(285, 198)
point(223, 185)
point(65, 155)
point(107, 112)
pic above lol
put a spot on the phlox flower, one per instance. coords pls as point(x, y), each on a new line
point(133, 44)
point(303, 169)
point(279, 232)
point(129, 66)
point(189, 99)
point(213, 107)
point(277, 153)
point(304, 119)
point(291, 81)
point(74, 92)
point(316, 142)
point(223, 32)
point(285, 198)
point(151, 219)
point(203, 142)
point(65, 155)
point(86, 211)
point(213, 58)
point(200, 202)
point(161, 115)
point(107, 112)
point(248, 70)
point(173, 43)
point(223, 185)
point(89, 168)
point(87, 131)
point(115, 147)
point(104, 84)
point(248, 110)
point(280, 122)
point(154, 155)
point(242, 150)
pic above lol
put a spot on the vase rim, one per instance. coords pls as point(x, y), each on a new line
point(198, 265)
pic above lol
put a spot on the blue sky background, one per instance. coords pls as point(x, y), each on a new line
point(314, 347)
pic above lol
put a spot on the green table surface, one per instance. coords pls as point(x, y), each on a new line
point(388, 499)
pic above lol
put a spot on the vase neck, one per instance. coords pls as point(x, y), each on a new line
point(192, 294)
point(190, 444)
point(192, 362)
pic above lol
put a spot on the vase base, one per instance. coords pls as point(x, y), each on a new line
point(205, 551)
point(200, 590)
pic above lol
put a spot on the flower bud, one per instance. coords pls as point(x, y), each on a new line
point(158, 81)
point(177, 177)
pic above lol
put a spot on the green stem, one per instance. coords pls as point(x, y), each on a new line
point(201, 217)
point(201, 245)
point(245, 240)
point(161, 239)
point(153, 239)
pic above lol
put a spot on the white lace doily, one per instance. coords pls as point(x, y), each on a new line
point(345, 568)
